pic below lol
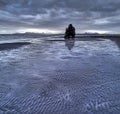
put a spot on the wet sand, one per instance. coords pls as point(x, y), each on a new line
point(9, 46)
point(61, 77)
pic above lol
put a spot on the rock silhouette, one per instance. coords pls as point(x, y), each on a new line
point(70, 32)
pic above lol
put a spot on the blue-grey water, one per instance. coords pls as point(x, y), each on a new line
point(53, 76)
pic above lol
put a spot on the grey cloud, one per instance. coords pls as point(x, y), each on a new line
point(56, 14)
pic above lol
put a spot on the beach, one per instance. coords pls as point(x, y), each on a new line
point(50, 75)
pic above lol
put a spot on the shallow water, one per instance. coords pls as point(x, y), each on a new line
point(60, 77)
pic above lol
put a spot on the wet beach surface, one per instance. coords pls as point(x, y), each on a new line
point(54, 76)
point(9, 46)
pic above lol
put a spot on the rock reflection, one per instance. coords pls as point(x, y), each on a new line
point(69, 43)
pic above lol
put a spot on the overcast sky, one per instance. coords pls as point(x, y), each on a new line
point(55, 15)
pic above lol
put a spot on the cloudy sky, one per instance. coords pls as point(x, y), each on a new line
point(55, 15)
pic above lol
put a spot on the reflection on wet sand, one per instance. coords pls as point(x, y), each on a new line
point(46, 78)
point(69, 43)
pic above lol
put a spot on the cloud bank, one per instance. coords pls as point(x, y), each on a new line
point(55, 15)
